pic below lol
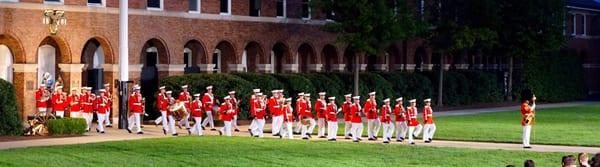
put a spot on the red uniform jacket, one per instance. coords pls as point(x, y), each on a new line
point(355, 111)
point(411, 113)
point(259, 109)
point(386, 114)
point(185, 98)
point(320, 108)
point(88, 102)
point(304, 108)
point(274, 107)
point(38, 98)
point(346, 110)
point(159, 99)
point(234, 102)
point(288, 115)
point(207, 101)
point(399, 113)
point(331, 112)
point(74, 102)
point(102, 102)
point(526, 110)
point(371, 109)
point(251, 109)
point(427, 115)
point(196, 107)
point(58, 104)
point(225, 112)
point(162, 103)
point(135, 103)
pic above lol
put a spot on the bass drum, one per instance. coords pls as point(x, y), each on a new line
point(178, 111)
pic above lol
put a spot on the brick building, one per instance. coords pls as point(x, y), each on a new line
point(173, 37)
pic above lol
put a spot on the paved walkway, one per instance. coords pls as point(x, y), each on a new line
point(151, 131)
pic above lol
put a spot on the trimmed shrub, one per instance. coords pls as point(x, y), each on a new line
point(483, 87)
point(10, 118)
point(410, 85)
point(294, 84)
point(67, 126)
point(265, 83)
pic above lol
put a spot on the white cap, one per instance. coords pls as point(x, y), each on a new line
point(386, 100)
point(162, 87)
point(106, 84)
point(413, 100)
point(209, 87)
point(74, 89)
point(372, 94)
point(280, 91)
point(399, 99)
point(332, 98)
point(427, 100)
point(169, 92)
point(184, 87)
point(288, 99)
point(42, 85)
point(322, 93)
point(227, 98)
point(255, 90)
point(259, 94)
point(274, 91)
point(348, 95)
point(102, 90)
point(356, 97)
point(307, 95)
point(301, 94)
point(59, 87)
point(231, 92)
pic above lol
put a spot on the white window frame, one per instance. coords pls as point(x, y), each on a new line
point(102, 4)
point(189, 58)
point(60, 2)
point(9, 0)
point(199, 6)
point(161, 8)
point(284, 9)
point(309, 11)
point(574, 24)
point(584, 25)
point(228, 8)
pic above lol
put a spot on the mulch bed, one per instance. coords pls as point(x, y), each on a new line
point(20, 138)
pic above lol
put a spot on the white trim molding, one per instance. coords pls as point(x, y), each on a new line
point(381, 67)
point(25, 67)
point(110, 67)
point(591, 66)
point(462, 66)
point(411, 67)
point(290, 68)
point(429, 67)
point(236, 67)
point(135, 67)
point(266, 68)
point(207, 67)
point(171, 67)
point(77, 68)
point(315, 67)
point(338, 67)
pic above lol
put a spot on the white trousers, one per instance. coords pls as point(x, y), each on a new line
point(388, 131)
point(373, 126)
point(347, 128)
point(234, 122)
point(332, 128)
point(252, 124)
point(163, 119)
point(286, 131)
point(88, 119)
point(357, 129)
point(401, 129)
point(101, 118)
point(107, 120)
point(428, 131)
point(185, 121)
point(209, 120)
point(411, 130)
point(258, 128)
point(60, 114)
point(136, 121)
point(42, 111)
point(308, 128)
point(418, 130)
point(298, 126)
point(526, 135)
point(226, 129)
point(172, 124)
point(276, 124)
point(321, 128)
point(197, 126)
point(75, 114)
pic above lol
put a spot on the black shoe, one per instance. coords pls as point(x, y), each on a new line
point(527, 147)
point(414, 137)
point(141, 126)
point(202, 127)
point(164, 131)
point(280, 136)
point(109, 126)
point(308, 134)
point(305, 138)
point(360, 139)
point(102, 132)
point(322, 137)
point(97, 130)
point(87, 130)
point(401, 138)
point(398, 140)
point(347, 138)
point(256, 136)
point(330, 139)
point(220, 133)
point(179, 126)
point(430, 139)
point(350, 134)
point(249, 130)
point(277, 134)
point(189, 132)
point(356, 141)
point(213, 129)
point(427, 141)
point(140, 133)
point(375, 137)
point(175, 134)
point(370, 139)
point(389, 139)
point(386, 142)
point(251, 134)
point(237, 130)
point(413, 143)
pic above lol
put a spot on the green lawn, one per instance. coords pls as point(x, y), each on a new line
point(243, 151)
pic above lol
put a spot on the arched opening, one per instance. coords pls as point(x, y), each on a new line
point(6, 63)
point(306, 56)
point(49, 54)
point(419, 58)
point(154, 52)
point(330, 56)
point(223, 55)
point(252, 52)
point(279, 52)
point(94, 59)
point(193, 53)
point(349, 59)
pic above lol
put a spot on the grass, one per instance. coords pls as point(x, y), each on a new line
point(242, 151)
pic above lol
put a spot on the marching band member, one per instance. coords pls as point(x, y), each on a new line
point(41, 97)
point(208, 100)
point(235, 103)
point(186, 98)
point(58, 102)
point(307, 117)
point(289, 119)
point(169, 100)
point(429, 128)
point(88, 106)
point(276, 114)
point(109, 105)
point(137, 108)
point(298, 103)
point(102, 102)
point(411, 113)
point(226, 115)
point(373, 122)
point(320, 107)
point(331, 115)
point(74, 101)
point(400, 114)
point(528, 114)
point(196, 109)
point(347, 116)
point(162, 103)
point(386, 120)
point(357, 125)
point(260, 112)
point(251, 110)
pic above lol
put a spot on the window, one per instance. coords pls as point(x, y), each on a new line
point(95, 2)
point(280, 8)
point(305, 9)
point(255, 8)
point(194, 6)
point(155, 4)
point(225, 7)
point(53, 1)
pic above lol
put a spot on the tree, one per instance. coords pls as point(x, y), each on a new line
point(368, 26)
point(530, 28)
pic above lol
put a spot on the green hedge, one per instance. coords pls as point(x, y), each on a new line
point(555, 77)
point(10, 118)
point(67, 126)
point(410, 85)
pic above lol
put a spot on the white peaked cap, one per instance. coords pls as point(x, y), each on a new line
point(348, 95)
point(42, 85)
point(307, 95)
point(102, 90)
point(372, 94)
point(231, 92)
point(301, 94)
point(399, 99)
point(356, 97)
point(255, 90)
point(162, 87)
point(322, 93)
point(197, 95)
point(209, 87)
point(331, 98)
point(386, 100)
point(74, 89)
point(169, 92)
point(184, 87)
point(227, 98)
point(59, 87)
point(288, 99)
point(106, 84)
point(259, 94)
point(413, 100)
point(427, 100)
